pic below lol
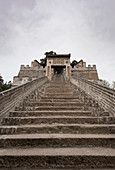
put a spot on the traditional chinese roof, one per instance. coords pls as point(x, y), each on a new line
point(58, 55)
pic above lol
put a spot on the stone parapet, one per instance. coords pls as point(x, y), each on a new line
point(10, 98)
point(103, 95)
point(89, 74)
point(26, 75)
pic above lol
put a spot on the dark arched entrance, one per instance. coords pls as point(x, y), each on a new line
point(58, 69)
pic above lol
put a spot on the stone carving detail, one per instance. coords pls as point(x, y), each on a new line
point(58, 61)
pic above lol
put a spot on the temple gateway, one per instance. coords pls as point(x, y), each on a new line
point(55, 64)
point(58, 64)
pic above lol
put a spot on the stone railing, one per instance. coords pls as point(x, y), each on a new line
point(103, 95)
point(10, 98)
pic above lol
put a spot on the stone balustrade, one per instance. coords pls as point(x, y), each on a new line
point(103, 95)
point(10, 98)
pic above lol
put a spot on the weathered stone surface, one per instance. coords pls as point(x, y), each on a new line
point(57, 140)
point(10, 98)
point(104, 96)
point(55, 129)
point(58, 158)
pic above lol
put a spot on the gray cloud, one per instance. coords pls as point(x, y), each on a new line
point(101, 19)
point(83, 27)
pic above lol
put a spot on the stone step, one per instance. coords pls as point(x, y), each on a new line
point(57, 140)
point(53, 104)
point(49, 113)
point(59, 128)
point(59, 84)
point(57, 119)
point(59, 94)
point(61, 87)
point(53, 108)
point(58, 90)
point(60, 97)
point(48, 108)
point(59, 100)
point(96, 157)
point(29, 168)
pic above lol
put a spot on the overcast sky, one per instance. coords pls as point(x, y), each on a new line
point(84, 28)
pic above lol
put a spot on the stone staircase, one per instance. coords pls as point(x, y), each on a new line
point(58, 131)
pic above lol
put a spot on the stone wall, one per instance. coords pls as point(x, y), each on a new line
point(89, 73)
point(10, 98)
point(103, 95)
point(27, 73)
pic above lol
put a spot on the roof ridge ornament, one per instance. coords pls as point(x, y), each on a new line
point(50, 53)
